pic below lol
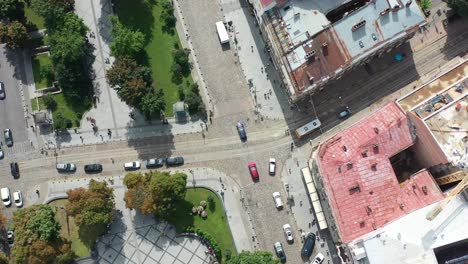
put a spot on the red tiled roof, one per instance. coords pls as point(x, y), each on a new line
point(266, 3)
point(379, 199)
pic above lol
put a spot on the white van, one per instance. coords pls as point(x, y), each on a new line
point(5, 193)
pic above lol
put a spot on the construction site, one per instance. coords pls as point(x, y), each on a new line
point(393, 186)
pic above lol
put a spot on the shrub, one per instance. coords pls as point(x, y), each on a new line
point(203, 203)
point(49, 102)
point(181, 93)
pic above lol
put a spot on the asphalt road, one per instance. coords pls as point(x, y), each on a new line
point(11, 108)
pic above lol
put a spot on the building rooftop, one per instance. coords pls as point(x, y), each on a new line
point(362, 186)
point(352, 30)
point(403, 241)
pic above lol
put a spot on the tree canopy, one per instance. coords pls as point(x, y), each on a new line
point(14, 34)
point(92, 206)
point(460, 6)
point(153, 103)
point(126, 41)
point(11, 10)
point(257, 257)
point(37, 238)
point(155, 192)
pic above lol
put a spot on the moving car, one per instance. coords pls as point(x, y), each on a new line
point(345, 113)
point(1, 153)
point(253, 171)
point(280, 251)
point(272, 166)
point(10, 237)
point(308, 246)
point(93, 168)
point(318, 259)
point(14, 170)
point(174, 161)
point(5, 194)
point(65, 167)
point(8, 137)
point(18, 198)
point(2, 91)
point(277, 199)
point(154, 163)
point(241, 130)
point(288, 233)
point(132, 165)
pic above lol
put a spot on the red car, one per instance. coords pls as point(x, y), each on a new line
point(253, 171)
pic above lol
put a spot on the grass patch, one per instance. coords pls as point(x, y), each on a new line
point(145, 16)
point(215, 224)
point(74, 112)
point(69, 229)
point(39, 62)
point(33, 20)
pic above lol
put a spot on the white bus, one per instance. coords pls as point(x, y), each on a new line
point(222, 33)
point(308, 128)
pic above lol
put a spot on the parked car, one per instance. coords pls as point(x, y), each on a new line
point(318, 259)
point(1, 153)
point(18, 197)
point(308, 245)
point(2, 91)
point(288, 233)
point(345, 113)
point(154, 163)
point(93, 168)
point(241, 130)
point(280, 251)
point(132, 165)
point(14, 170)
point(272, 166)
point(10, 237)
point(8, 137)
point(65, 167)
point(5, 194)
point(174, 161)
point(277, 199)
point(253, 171)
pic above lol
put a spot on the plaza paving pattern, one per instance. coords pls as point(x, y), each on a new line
point(154, 243)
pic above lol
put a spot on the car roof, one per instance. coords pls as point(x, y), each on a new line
point(272, 160)
point(252, 164)
point(16, 195)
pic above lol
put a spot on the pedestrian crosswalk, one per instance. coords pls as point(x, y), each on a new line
point(18, 147)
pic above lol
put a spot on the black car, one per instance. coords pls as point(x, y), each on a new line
point(8, 137)
point(280, 251)
point(241, 130)
point(93, 168)
point(154, 163)
point(308, 246)
point(174, 161)
point(14, 170)
point(2, 91)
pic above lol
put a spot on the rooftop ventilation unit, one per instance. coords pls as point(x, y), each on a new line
point(358, 25)
point(374, 37)
point(383, 13)
point(310, 55)
point(361, 44)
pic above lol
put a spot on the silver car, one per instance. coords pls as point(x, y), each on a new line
point(8, 137)
point(2, 91)
point(66, 167)
point(288, 233)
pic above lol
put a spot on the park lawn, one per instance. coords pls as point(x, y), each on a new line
point(215, 224)
point(38, 62)
point(34, 20)
point(145, 16)
point(63, 107)
point(69, 229)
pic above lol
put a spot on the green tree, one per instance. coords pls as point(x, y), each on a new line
point(195, 103)
point(131, 81)
point(155, 192)
point(181, 93)
point(460, 6)
point(14, 34)
point(49, 102)
point(37, 237)
point(152, 104)
point(167, 15)
point(257, 257)
point(47, 73)
point(126, 41)
point(67, 45)
point(181, 57)
point(60, 122)
point(52, 11)
point(11, 10)
point(92, 206)
point(426, 5)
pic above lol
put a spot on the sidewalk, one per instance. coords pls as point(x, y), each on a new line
point(86, 135)
point(227, 189)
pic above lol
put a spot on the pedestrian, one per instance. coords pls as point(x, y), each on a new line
point(102, 138)
point(81, 139)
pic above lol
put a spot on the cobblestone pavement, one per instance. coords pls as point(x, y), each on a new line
point(226, 84)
